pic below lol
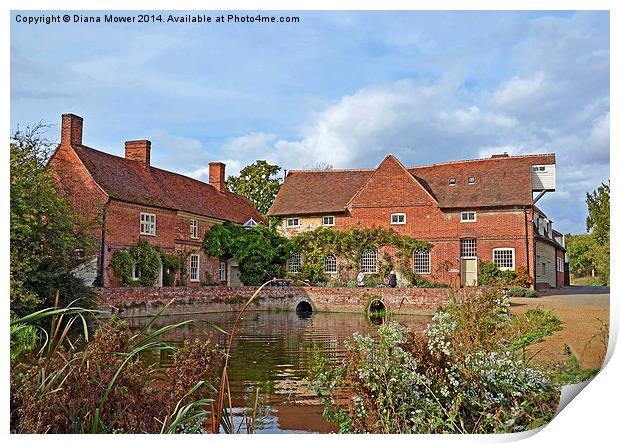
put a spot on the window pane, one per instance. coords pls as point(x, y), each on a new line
point(468, 248)
point(504, 258)
point(330, 264)
point(368, 261)
point(421, 262)
point(293, 263)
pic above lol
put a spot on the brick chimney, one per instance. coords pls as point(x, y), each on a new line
point(139, 150)
point(71, 130)
point(217, 175)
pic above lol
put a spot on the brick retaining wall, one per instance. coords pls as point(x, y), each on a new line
point(142, 301)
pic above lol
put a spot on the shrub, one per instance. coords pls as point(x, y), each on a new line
point(522, 278)
point(490, 274)
point(140, 398)
point(462, 375)
point(521, 292)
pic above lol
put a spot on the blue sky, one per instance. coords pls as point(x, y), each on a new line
point(344, 88)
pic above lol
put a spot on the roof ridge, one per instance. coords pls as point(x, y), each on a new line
point(452, 162)
point(333, 170)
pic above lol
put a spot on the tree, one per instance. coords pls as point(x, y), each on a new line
point(256, 182)
point(261, 251)
point(598, 223)
point(44, 230)
point(580, 253)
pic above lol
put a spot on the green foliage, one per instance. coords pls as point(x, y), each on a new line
point(171, 264)
point(490, 274)
point(122, 263)
point(104, 385)
point(464, 375)
point(44, 231)
point(520, 292)
point(261, 252)
point(256, 182)
point(23, 338)
point(348, 246)
point(580, 253)
point(149, 261)
point(570, 372)
point(598, 220)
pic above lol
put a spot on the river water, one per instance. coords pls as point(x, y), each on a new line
point(273, 351)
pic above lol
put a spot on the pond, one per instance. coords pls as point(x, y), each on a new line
point(273, 351)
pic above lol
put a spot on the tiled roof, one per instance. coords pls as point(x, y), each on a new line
point(130, 181)
point(310, 192)
point(499, 181)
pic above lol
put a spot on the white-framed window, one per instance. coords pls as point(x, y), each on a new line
point(292, 222)
point(193, 228)
point(194, 268)
point(504, 258)
point(468, 216)
point(469, 248)
point(329, 221)
point(398, 218)
point(148, 223)
point(250, 223)
point(330, 264)
point(560, 267)
point(368, 261)
point(421, 261)
point(223, 270)
point(539, 168)
point(452, 181)
point(293, 263)
point(471, 180)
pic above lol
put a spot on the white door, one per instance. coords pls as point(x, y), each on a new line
point(469, 272)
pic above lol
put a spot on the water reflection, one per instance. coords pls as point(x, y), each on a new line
point(272, 351)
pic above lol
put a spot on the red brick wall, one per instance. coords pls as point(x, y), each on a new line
point(77, 186)
point(559, 254)
point(444, 229)
point(405, 300)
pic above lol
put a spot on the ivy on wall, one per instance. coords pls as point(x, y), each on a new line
point(348, 246)
point(149, 260)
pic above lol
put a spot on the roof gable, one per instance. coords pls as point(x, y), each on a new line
point(391, 185)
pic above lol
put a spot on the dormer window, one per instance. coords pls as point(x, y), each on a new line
point(452, 181)
point(471, 180)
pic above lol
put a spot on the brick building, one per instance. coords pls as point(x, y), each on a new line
point(470, 211)
point(129, 200)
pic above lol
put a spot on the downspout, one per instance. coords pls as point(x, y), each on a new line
point(102, 254)
point(527, 241)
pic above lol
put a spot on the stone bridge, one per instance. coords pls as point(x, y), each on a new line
point(144, 301)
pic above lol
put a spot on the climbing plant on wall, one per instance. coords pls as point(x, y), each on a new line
point(149, 260)
point(348, 245)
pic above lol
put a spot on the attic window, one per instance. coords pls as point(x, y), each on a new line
point(452, 181)
point(471, 180)
point(538, 168)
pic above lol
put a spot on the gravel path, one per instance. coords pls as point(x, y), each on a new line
point(583, 312)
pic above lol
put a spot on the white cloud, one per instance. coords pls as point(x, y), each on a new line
point(518, 90)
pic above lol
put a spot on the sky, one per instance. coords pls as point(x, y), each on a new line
point(342, 88)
